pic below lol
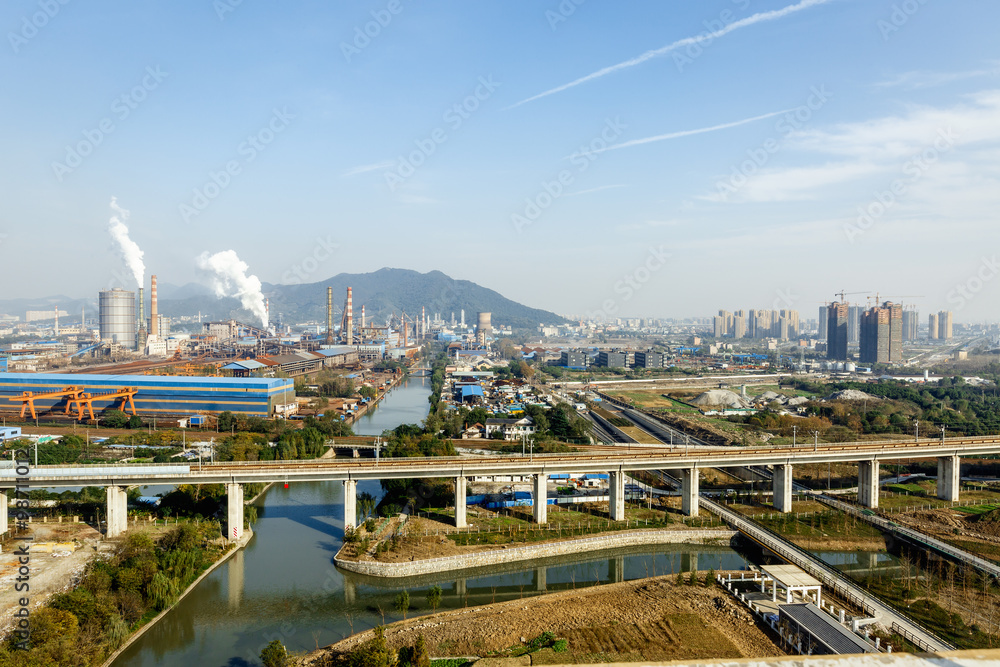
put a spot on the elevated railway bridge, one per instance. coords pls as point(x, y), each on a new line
point(686, 461)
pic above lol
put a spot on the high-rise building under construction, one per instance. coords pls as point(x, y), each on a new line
point(836, 331)
point(882, 334)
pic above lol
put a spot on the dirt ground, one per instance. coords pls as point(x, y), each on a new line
point(49, 572)
point(647, 619)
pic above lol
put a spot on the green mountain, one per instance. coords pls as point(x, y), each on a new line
point(382, 292)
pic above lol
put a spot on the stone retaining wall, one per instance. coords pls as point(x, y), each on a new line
point(531, 552)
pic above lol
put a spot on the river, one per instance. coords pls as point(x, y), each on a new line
point(284, 585)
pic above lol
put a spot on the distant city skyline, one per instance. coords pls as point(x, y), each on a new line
point(639, 160)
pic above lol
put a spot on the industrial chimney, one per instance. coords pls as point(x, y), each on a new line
point(154, 319)
point(423, 322)
point(57, 322)
point(349, 318)
point(329, 315)
point(362, 319)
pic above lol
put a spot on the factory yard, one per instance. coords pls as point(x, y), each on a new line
point(643, 620)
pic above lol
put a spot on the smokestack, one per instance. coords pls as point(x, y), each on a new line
point(402, 320)
point(423, 322)
point(329, 315)
point(350, 317)
point(154, 320)
point(142, 308)
point(267, 312)
point(362, 319)
point(57, 322)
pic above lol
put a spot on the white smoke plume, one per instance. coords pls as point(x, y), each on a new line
point(127, 248)
point(229, 278)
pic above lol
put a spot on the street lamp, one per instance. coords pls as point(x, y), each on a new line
point(794, 429)
point(916, 430)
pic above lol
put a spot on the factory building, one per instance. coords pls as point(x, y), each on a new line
point(612, 359)
point(932, 326)
point(648, 360)
point(577, 360)
point(157, 395)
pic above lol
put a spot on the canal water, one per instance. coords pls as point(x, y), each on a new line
point(284, 585)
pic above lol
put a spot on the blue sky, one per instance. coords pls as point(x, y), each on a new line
point(728, 167)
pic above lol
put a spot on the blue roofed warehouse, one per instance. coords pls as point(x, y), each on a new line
point(156, 395)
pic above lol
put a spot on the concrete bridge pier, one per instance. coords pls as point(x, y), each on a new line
point(948, 478)
point(350, 503)
point(689, 562)
point(117, 511)
point(541, 498)
point(461, 589)
point(460, 502)
point(234, 512)
point(782, 481)
point(868, 483)
point(350, 591)
point(616, 495)
point(689, 491)
point(3, 512)
point(540, 582)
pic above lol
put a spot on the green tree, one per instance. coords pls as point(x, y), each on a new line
point(274, 654)
point(226, 421)
point(420, 656)
point(434, 597)
point(135, 421)
point(114, 419)
point(373, 653)
point(402, 603)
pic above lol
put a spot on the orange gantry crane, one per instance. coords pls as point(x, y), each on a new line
point(28, 398)
point(85, 401)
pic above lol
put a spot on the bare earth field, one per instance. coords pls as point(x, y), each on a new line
point(49, 572)
point(647, 619)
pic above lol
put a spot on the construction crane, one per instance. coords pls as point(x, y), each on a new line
point(897, 296)
point(843, 293)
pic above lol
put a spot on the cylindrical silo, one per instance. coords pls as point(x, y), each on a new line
point(117, 317)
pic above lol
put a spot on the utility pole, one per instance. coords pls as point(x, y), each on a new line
point(942, 434)
point(916, 430)
point(815, 440)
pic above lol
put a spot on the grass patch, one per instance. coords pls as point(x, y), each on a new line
point(451, 662)
point(976, 509)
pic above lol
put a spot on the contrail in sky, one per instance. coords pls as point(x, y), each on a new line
point(687, 133)
point(687, 41)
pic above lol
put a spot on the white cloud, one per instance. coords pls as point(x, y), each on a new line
point(927, 79)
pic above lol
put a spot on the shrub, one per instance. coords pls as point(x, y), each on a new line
point(274, 654)
point(560, 646)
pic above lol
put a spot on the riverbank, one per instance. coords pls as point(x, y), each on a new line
point(241, 543)
point(641, 620)
point(365, 408)
point(479, 556)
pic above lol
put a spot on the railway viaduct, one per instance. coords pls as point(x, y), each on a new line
point(21, 476)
